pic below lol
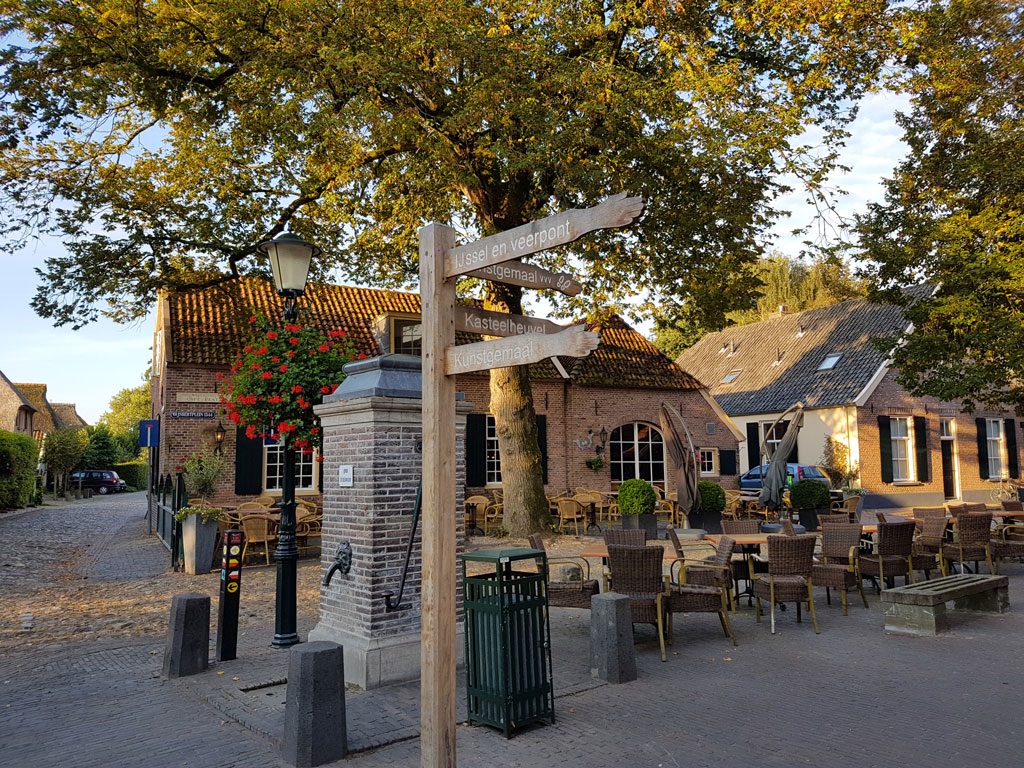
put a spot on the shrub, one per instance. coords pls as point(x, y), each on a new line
point(712, 497)
point(134, 473)
point(637, 497)
point(19, 457)
point(835, 460)
point(202, 469)
point(810, 494)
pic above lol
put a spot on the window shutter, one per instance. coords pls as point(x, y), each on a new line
point(542, 442)
point(1011, 448)
point(248, 464)
point(726, 462)
point(753, 444)
point(982, 448)
point(885, 447)
point(476, 450)
point(921, 449)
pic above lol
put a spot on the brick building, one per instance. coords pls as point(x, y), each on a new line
point(909, 450)
point(614, 392)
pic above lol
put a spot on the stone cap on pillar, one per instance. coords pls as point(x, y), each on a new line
point(382, 376)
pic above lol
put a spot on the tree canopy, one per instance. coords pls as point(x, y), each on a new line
point(124, 412)
point(953, 214)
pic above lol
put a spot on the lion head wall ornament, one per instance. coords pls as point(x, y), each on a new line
point(342, 562)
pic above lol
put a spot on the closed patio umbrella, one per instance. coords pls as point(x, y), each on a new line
point(685, 460)
point(773, 481)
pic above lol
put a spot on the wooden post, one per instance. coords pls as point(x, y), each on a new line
point(437, 654)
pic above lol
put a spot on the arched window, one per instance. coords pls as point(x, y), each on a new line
point(637, 450)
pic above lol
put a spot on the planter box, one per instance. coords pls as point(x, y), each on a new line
point(647, 523)
point(199, 540)
point(809, 518)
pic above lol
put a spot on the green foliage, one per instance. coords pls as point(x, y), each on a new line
point(204, 513)
point(134, 473)
point(637, 497)
point(810, 494)
point(101, 453)
point(835, 460)
point(202, 469)
point(63, 450)
point(712, 497)
point(19, 457)
point(953, 214)
point(279, 376)
point(126, 409)
point(595, 463)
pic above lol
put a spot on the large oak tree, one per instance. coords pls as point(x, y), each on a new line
point(162, 139)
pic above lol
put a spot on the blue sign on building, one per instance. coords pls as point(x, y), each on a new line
point(149, 433)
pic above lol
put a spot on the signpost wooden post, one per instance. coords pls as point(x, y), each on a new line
point(530, 340)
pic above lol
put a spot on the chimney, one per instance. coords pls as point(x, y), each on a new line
point(783, 309)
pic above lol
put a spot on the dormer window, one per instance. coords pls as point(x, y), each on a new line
point(406, 336)
point(730, 377)
point(829, 362)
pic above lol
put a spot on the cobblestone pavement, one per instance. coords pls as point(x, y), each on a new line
point(851, 696)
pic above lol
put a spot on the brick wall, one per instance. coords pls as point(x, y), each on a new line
point(889, 399)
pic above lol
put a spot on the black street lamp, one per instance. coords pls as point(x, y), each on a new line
point(289, 256)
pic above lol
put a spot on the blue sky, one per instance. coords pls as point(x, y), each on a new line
point(88, 366)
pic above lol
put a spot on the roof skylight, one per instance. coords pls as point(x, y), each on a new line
point(829, 362)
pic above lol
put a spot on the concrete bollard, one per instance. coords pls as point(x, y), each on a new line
point(188, 636)
point(314, 716)
point(612, 653)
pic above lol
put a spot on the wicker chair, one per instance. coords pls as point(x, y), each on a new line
point(1009, 543)
point(570, 512)
point(973, 541)
point(838, 566)
point(740, 527)
point(567, 594)
point(840, 518)
point(929, 542)
point(476, 508)
point(257, 530)
point(690, 571)
point(692, 595)
point(251, 507)
point(638, 575)
point(848, 506)
point(631, 538)
point(892, 555)
point(492, 516)
point(789, 577)
point(923, 513)
point(1013, 506)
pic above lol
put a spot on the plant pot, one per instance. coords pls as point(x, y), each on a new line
point(809, 518)
point(199, 540)
point(630, 522)
point(648, 523)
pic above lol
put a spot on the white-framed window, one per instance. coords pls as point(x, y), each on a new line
point(996, 448)
point(730, 377)
point(830, 362)
point(493, 455)
point(947, 428)
point(902, 451)
point(406, 336)
point(709, 462)
point(273, 469)
point(637, 450)
point(772, 437)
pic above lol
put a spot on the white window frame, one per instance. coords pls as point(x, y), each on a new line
point(830, 361)
point(906, 441)
point(996, 441)
point(393, 321)
point(306, 471)
point(715, 467)
point(637, 465)
point(492, 453)
point(765, 426)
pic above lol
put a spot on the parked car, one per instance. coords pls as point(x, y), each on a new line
point(100, 480)
point(751, 479)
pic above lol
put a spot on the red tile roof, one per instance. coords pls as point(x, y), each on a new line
point(209, 326)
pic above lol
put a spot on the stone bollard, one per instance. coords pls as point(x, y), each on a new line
point(612, 653)
point(314, 716)
point(188, 636)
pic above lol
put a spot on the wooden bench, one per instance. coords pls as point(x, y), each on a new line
point(920, 609)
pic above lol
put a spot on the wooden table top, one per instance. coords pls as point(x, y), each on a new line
point(599, 552)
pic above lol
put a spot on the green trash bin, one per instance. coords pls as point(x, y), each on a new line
point(508, 640)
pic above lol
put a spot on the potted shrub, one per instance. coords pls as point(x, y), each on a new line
point(198, 536)
point(810, 498)
point(199, 520)
point(712, 503)
point(637, 502)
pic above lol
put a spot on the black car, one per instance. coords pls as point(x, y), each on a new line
point(100, 480)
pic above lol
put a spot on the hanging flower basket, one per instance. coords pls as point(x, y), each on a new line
point(281, 373)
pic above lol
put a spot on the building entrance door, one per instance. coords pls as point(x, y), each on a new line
point(947, 433)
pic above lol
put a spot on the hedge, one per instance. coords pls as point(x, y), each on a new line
point(134, 473)
point(19, 457)
point(712, 497)
point(637, 497)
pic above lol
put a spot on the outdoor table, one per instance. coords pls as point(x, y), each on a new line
point(592, 518)
point(600, 551)
point(473, 524)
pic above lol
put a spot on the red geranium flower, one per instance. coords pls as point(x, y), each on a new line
point(314, 430)
point(220, 376)
point(290, 353)
point(247, 348)
point(256, 367)
point(252, 319)
point(262, 350)
point(296, 390)
point(324, 348)
point(362, 356)
point(275, 359)
point(294, 341)
point(266, 375)
point(293, 328)
point(271, 335)
point(275, 399)
point(283, 368)
point(325, 390)
point(250, 432)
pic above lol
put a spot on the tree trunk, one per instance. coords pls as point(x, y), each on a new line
point(522, 477)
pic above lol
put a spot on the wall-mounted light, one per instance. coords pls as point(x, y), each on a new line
point(218, 437)
point(599, 441)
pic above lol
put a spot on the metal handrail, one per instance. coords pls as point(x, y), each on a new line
point(390, 606)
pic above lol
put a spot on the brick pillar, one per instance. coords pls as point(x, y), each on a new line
point(373, 424)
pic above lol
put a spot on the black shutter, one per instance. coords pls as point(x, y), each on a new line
point(248, 464)
point(1011, 448)
point(320, 478)
point(753, 444)
point(726, 462)
point(885, 447)
point(982, 448)
point(476, 450)
point(542, 442)
point(921, 449)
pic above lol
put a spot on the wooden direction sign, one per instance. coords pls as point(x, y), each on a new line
point(487, 323)
point(616, 211)
point(528, 276)
point(520, 350)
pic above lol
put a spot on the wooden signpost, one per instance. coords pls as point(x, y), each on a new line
point(529, 340)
